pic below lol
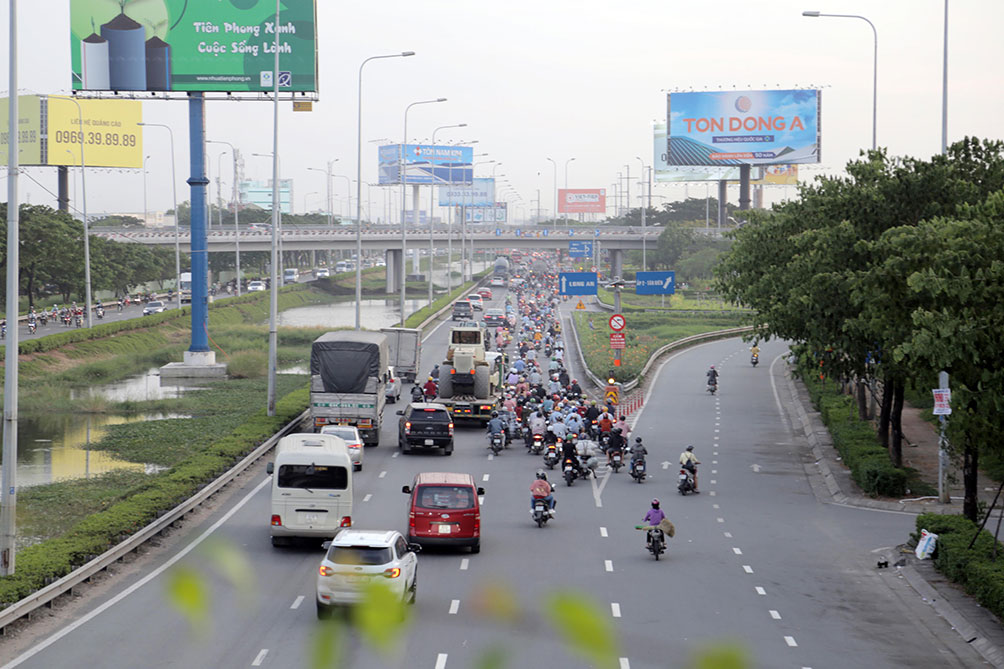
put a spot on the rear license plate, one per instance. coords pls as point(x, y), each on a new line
point(430, 442)
point(445, 529)
point(311, 518)
point(357, 578)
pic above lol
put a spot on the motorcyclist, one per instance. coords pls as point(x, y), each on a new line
point(638, 451)
point(689, 462)
point(605, 422)
point(652, 519)
point(570, 452)
point(435, 372)
point(417, 394)
point(541, 489)
point(430, 388)
point(754, 350)
point(592, 413)
point(574, 389)
point(622, 425)
point(712, 376)
point(574, 422)
point(615, 444)
point(496, 425)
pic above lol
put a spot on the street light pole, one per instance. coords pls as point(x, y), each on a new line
point(402, 176)
point(816, 14)
point(432, 197)
point(359, 179)
point(177, 225)
point(555, 166)
point(944, 89)
point(237, 230)
point(145, 210)
point(566, 183)
point(644, 265)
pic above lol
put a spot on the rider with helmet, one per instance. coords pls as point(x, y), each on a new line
point(430, 388)
point(712, 376)
point(689, 462)
point(495, 424)
point(542, 489)
point(653, 518)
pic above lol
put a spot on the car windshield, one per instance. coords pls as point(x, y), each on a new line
point(347, 434)
point(313, 476)
point(154, 305)
point(359, 555)
point(445, 497)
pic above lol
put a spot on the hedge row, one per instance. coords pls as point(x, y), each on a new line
point(419, 317)
point(856, 441)
point(973, 568)
point(76, 335)
point(39, 565)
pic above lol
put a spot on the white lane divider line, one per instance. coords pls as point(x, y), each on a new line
point(714, 462)
point(712, 493)
point(382, 474)
point(720, 520)
point(624, 663)
point(714, 506)
point(714, 481)
point(714, 471)
point(368, 497)
point(485, 477)
point(737, 550)
point(760, 591)
point(441, 661)
point(790, 640)
point(464, 564)
point(748, 569)
point(491, 456)
point(615, 609)
point(774, 614)
point(608, 565)
point(717, 431)
point(481, 500)
point(297, 602)
point(395, 454)
point(728, 535)
point(603, 532)
point(454, 607)
point(260, 657)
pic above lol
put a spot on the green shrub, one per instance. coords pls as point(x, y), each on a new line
point(248, 364)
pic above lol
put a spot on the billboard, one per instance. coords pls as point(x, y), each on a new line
point(259, 194)
point(29, 133)
point(426, 164)
point(111, 135)
point(498, 213)
point(480, 194)
point(179, 45)
point(678, 173)
point(743, 127)
point(778, 175)
point(582, 200)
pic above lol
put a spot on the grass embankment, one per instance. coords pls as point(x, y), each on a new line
point(645, 334)
point(425, 312)
point(691, 300)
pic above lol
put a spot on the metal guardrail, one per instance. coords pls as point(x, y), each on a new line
point(66, 584)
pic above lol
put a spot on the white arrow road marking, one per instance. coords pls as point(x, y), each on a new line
point(665, 464)
point(755, 468)
point(598, 488)
point(260, 658)
point(297, 602)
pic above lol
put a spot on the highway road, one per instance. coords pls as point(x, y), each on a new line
point(757, 560)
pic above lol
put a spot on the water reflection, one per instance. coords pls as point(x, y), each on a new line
point(144, 387)
point(373, 314)
point(57, 447)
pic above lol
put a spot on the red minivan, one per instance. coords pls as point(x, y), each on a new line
point(444, 509)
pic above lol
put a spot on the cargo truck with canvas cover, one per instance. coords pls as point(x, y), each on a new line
point(405, 350)
point(348, 380)
point(470, 379)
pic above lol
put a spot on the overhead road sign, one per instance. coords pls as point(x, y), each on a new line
point(577, 283)
point(655, 283)
point(580, 249)
point(617, 322)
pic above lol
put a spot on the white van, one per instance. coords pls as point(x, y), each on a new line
point(290, 275)
point(311, 487)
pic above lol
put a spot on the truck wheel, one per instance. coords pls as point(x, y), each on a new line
point(482, 382)
point(446, 382)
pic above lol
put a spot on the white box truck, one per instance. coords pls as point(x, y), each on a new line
point(405, 351)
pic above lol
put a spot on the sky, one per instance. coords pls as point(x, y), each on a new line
point(560, 79)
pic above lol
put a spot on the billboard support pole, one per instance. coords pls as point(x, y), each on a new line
point(744, 187)
point(63, 191)
point(199, 251)
point(723, 194)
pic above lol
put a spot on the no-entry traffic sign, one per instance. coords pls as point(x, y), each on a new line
point(617, 322)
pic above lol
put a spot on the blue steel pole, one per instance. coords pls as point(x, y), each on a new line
point(199, 247)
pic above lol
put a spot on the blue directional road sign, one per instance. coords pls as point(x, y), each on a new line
point(577, 283)
point(655, 283)
point(580, 249)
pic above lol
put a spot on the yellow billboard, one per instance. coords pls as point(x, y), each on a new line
point(111, 135)
point(778, 175)
point(29, 125)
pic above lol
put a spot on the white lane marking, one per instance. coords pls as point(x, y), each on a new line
point(714, 462)
point(140, 583)
point(491, 456)
point(368, 497)
point(624, 663)
point(615, 609)
point(712, 493)
point(260, 657)
point(748, 569)
point(603, 531)
point(665, 465)
point(777, 397)
point(714, 471)
point(774, 614)
point(790, 640)
point(481, 500)
point(454, 607)
point(755, 468)
point(485, 477)
point(716, 439)
point(598, 489)
point(395, 454)
point(464, 564)
point(297, 602)
point(720, 520)
point(441, 661)
point(714, 506)
point(714, 481)
point(728, 535)
point(608, 565)
point(737, 551)
point(717, 430)
point(382, 474)
point(760, 591)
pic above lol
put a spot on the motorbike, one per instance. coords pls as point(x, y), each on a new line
point(551, 456)
point(100, 312)
point(43, 319)
point(417, 394)
point(541, 512)
point(496, 442)
point(616, 460)
point(536, 445)
point(755, 359)
point(712, 387)
point(78, 320)
point(66, 319)
point(686, 481)
point(638, 470)
point(32, 326)
point(656, 542)
point(569, 471)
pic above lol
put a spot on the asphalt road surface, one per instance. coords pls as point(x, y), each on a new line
point(757, 560)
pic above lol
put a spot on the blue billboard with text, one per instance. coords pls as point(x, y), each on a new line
point(577, 283)
point(655, 283)
point(426, 164)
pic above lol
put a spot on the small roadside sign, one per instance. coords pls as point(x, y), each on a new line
point(618, 340)
point(580, 305)
point(617, 322)
point(303, 105)
point(942, 402)
point(612, 395)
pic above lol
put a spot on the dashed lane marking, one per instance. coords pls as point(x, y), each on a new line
point(464, 564)
point(760, 591)
point(382, 474)
point(748, 569)
point(454, 607)
point(491, 456)
point(297, 602)
point(395, 454)
point(712, 493)
point(368, 497)
point(774, 614)
point(714, 471)
point(714, 481)
point(485, 477)
point(728, 535)
point(714, 506)
point(737, 551)
point(608, 565)
point(603, 531)
point(615, 609)
point(720, 520)
point(260, 657)
point(790, 640)
point(441, 661)
point(624, 663)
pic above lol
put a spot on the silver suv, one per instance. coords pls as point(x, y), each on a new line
point(357, 557)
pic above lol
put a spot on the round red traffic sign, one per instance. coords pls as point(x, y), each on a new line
point(617, 322)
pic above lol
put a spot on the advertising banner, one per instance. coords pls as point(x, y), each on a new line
point(426, 164)
point(495, 214)
point(582, 200)
point(480, 194)
point(778, 175)
point(29, 134)
point(259, 194)
point(112, 137)
point(679, 173)
point(743, 127)
point(181, 45)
